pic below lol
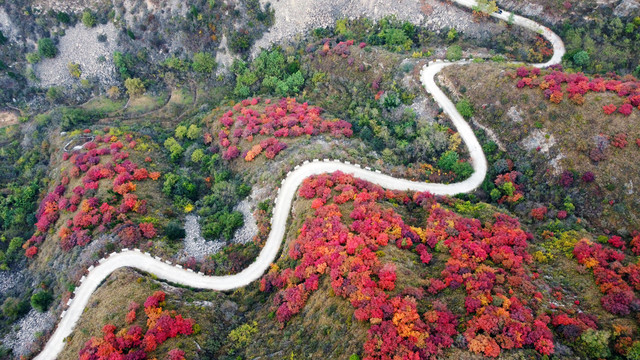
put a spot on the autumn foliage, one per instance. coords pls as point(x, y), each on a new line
point(283, 119)
point(138, 342)
point(487, 262)
point(578, 85)
point(101, 164)
point(616, 281)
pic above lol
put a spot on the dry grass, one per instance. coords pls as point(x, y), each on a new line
point(572, 127)
point(109, 304)
point(145, 103)
point(104, 104)
point(8, 118)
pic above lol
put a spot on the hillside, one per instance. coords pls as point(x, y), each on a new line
point(558, 147)
point(239, 179)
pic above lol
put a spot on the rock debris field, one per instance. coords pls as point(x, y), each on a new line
point(293, 17)
point(80, 45)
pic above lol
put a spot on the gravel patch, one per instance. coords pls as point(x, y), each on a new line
point(80, 45)
point(294, 17)
point(24, 332)
point(9, 280)
point(224, 58)
point(6, 25)
point(194, 244)
point(66, 5)
point(514, 114)
point(250, 229)
point(199, 248)
point(539, 139)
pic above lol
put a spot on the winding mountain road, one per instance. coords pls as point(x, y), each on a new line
point(176, 274)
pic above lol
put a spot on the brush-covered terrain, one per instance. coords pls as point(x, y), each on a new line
point(159, 126)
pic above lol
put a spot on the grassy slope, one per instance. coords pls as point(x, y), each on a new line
point(573, 129)
point(108, 306)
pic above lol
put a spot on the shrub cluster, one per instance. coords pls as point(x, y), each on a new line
point(91, 212)
point(284, 119)
point(135, 342)
point(486, 261)
point(577, 85)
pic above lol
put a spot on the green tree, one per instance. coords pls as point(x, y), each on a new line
point(452, 35)
point(197, 155)
point(240, 42)
point(170, 180)
point(180, 132)
point(634, 351)
point(203, 63)
point(223, 224)
point(581, 58)
point(448, 160)
point(33, 58)
point(465, 108)
point(134, 87)
point(495, 194)
point(175, 149)
point(174, 231)
point(88, 19)
point(41, 300)
point(13, 308)
point(454, 53)
point(47, 48)
point(242, 335)
point(396, 39)
point(124, 63)
point(462, 169)
point(193, 132)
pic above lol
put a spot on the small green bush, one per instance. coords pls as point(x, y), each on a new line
point(55, 94)
point(63, 17)
point(174, 231)
point(203, 63)
point(454, 53)
point(448, 160)
point(41, 300)
point(74, 70)
point(595, 343)
point(465, 108)
point(88, 19)
point(242, 335)
point(13, 308)
point(134, 87)
point(33, 57)
point(47, 48)
point(197, 155)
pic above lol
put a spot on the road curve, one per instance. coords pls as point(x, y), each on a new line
point(176, 274)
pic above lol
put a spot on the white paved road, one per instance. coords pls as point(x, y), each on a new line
point(286, 194)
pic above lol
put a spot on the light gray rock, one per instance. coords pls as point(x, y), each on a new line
point(80, 45)
point(626, 8)
point(24, 333)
